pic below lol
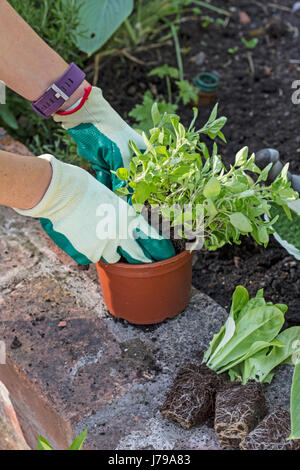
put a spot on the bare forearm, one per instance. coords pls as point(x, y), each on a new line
point(23, 180)
point(27, 64)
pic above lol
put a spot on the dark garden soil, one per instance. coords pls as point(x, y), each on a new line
point(255, 95)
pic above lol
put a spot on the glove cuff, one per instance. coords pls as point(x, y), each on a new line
point(61, 196)
point(37, 210)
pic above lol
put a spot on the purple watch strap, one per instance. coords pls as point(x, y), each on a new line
point(58, 93)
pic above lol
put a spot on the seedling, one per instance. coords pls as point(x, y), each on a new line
point(251, 44)
point(166, 72)
point(250, 346)
point(233, 50)
point(187, 92)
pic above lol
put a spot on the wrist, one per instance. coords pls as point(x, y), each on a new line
point(78, 94)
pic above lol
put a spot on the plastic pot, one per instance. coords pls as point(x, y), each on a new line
point(206, 84)
point(147, 293)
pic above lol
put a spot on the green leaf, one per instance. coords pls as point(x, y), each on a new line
point(264, 174)
point(122, 174)
point(212, 188)
point(187, 92)
point(263, 235)
point(99, 20)
point(241, 157)
point(181, 172)
point(229, 331)
point(240, 299)
point(233, 50)
point(261, 364)
point(213, 114)
point(250, 44)
point(142, 192)
point(121, 192)
point(43, 444)
point(256, 347)
point(259, 324)
point(210, 208)
point(78, 442)
point(164, 71)
point(212, 129)
point(7, 116)
point(241, 222)
point(142, 112)
point(156, 116)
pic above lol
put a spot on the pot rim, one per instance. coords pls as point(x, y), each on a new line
point(169, 264)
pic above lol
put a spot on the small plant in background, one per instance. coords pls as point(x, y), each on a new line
point(142, 112)
point(187, 92)
point(164, 71)
point(233, 50)
point(251, 44)
point(43, 444)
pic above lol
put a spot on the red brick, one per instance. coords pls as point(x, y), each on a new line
point(11, 436)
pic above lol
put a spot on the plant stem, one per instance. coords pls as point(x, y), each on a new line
point(178, 52)
point(168, 82)
point(212, 7)
point(131, 31)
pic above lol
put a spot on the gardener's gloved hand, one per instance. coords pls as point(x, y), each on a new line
point(287, 231)
point(89, 222)
point(101, 135)
point(269, 155)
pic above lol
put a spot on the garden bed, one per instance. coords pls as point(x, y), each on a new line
point(260, 113)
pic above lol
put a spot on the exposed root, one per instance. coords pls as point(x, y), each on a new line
point(191, 400)
point(271, 433)
point(238, 410)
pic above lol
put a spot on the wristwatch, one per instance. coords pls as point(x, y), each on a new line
point(58, 93)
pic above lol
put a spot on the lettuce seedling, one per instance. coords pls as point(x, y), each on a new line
point(177, 171)
point(249, 346)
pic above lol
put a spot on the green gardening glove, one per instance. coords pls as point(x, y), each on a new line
point(287, 231)
point(103, 140)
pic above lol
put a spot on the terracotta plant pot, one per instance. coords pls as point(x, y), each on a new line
point(147, 293)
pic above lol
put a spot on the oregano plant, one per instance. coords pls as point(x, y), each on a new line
point(177, 175)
